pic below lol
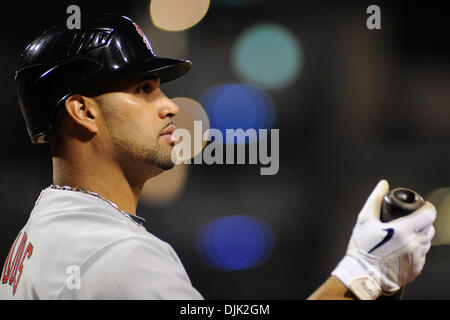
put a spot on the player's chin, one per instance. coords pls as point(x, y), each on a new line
point(166, 162)
point(166, 165)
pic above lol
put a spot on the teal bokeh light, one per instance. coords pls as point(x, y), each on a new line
point(267, 55)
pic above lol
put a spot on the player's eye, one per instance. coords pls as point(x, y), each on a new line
point(144, 88)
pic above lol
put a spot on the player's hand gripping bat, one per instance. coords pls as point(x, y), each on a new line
point(387, 248)
point(398, 203)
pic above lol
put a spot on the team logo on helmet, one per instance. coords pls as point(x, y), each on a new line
point(144, 38)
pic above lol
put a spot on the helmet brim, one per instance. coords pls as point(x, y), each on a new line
point(167, 69)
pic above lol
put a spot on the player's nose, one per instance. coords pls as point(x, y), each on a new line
point(168, 108)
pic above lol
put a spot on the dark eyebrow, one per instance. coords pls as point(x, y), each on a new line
point(152, 77)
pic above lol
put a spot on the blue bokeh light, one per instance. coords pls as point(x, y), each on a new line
point(235, 242)
point(238, 106)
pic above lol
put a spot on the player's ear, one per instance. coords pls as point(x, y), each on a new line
point(83, 111)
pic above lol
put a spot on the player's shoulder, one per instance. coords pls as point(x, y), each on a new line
point(81, 212)
point(90, 234)
point(83, 221)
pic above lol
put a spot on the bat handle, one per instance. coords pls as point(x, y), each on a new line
point(398, 203)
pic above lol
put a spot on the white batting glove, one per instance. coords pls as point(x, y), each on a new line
point(383, 257)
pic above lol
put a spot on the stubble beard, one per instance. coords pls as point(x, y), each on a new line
point(152, 154)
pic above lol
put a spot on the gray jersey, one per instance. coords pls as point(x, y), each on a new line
point(77, 246)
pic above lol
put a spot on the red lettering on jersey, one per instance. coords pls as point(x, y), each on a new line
point(17, 258)
point(14, 261)
point(7, 267)
point(27, 254)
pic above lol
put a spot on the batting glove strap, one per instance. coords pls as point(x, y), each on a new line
point(357, 278)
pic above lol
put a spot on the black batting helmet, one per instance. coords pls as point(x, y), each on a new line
point(62, 62)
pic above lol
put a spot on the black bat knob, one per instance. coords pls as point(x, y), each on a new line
point(400, 202)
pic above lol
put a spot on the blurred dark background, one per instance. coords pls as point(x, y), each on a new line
point(366, 105)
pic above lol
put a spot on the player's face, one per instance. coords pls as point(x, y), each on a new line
point(136, 117)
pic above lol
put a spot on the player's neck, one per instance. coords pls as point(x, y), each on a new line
point(106, 179)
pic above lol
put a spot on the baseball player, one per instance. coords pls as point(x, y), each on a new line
point(93, 95)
